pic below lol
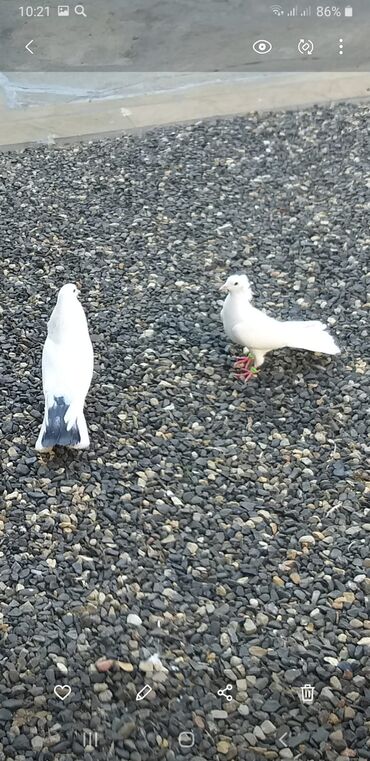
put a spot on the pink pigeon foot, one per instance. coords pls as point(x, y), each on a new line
point(244, 368)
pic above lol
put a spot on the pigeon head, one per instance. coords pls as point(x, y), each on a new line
point(68, 292)
point(237, 284)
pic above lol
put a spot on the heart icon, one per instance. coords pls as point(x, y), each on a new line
point(62, 691)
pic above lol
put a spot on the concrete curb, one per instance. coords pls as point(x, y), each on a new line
point(84, 120)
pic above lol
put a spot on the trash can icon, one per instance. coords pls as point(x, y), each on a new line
point(307, 694)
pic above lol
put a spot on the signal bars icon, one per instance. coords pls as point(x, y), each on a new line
point(296, 12)
point(279, 11)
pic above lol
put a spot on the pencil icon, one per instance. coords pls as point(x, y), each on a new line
point(144, 692)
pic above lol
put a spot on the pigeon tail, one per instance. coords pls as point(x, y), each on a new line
point(60, 430)
point(310, 335)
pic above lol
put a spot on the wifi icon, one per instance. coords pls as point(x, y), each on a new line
point(277, 10)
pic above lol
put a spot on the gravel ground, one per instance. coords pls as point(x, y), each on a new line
point(223, 527)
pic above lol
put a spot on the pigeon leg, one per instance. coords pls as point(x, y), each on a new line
point(244, 367)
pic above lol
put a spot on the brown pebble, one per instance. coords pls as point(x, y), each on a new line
point(104, 664)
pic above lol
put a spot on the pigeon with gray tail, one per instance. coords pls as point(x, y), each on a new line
point(67, 368)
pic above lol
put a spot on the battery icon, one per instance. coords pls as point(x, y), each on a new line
point(348, 11)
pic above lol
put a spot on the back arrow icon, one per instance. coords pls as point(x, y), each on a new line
point(27, 47)
point(282, 741)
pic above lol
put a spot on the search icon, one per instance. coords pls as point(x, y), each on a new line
point(80, 10)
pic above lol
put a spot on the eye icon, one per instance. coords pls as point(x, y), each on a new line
point(262, 46)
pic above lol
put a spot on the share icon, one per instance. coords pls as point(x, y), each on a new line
point(223, 692)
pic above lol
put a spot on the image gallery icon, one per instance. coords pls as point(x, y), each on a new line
point(63, 10)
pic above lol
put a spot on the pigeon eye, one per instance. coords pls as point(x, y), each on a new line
point(236, 282)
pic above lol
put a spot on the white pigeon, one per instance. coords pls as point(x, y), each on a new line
point(258, 333)
point(67, 368)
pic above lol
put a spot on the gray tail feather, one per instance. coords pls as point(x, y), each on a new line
point(56, 433)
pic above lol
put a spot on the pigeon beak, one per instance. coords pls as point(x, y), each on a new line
point(223, 287)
